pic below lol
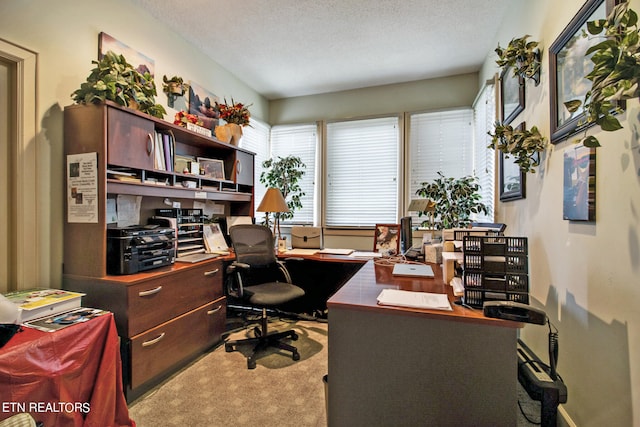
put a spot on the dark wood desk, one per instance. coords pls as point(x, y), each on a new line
point(403, 366)
point(71, 377)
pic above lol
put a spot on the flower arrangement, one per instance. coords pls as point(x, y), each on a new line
point(237, 113)
point(182, 118)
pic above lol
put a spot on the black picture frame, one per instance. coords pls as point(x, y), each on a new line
point(513, 181)
point(579, 185)
point(567, 67)
point(512, 100)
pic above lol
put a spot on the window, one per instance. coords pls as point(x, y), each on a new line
point(300, 141)
point(362, 172)
point(484, 112)
point(439, 141)
point(255, 138)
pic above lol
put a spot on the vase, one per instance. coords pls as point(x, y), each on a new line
point(230, 133)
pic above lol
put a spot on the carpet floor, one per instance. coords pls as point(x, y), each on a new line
point(218, 389)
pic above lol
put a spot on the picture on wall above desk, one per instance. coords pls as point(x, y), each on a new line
point(579, 195)
point(387, 238)
point(202, 103)
point(141, 62)
point(568, 67)
point(511, 95)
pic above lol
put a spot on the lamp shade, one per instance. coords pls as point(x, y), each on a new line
point(421, 205)
point(273, 202)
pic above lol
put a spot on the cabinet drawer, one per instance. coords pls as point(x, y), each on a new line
point(130, 140)
point(157, 301)
point(164, 347)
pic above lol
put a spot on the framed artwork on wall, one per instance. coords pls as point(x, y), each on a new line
point(579, 189)
point(202, 103)
point(387, 238)
point(141, 62)
point(568, 67)
point(511, 95)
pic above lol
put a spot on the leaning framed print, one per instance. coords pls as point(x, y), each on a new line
point(579, 189)
point(141, 62)
point(568, 67)
point(511, 95)
point(387, 238)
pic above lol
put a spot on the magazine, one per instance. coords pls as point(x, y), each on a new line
point(62, 320)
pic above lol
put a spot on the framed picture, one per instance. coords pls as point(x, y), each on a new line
point(387, 238)
point(579, 190)
point(568, 67)
point(511, 95)
point(211, 168)
point(512, 179)
point(140, 61)
point(202, 103)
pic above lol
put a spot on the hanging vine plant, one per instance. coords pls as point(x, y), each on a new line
point(521, 143)
point(616, 70)
point(523, 56)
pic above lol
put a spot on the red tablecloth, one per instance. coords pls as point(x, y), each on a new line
point(70, 377)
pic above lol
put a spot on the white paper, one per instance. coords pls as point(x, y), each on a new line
point(128, 210)
point(82, 188)
point(400, 298)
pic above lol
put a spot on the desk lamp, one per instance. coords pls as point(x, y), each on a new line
point(273, 202)
point(424, 206)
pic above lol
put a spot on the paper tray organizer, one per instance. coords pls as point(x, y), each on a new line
point(495, 269)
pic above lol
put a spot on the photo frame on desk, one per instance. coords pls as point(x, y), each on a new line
point(512, 100)
point(387, 238)
point(568, 67)
point(211, 168)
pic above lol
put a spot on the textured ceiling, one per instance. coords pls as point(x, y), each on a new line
point(286, 48)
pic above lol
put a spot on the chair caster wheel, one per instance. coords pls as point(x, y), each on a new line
point(296, 356)
point(294, 337)
point(251, 363)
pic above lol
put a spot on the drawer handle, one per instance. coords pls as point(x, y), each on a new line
point(215, 310)
point(153, 341)
point(150, 292)
point(212, 272)
point(150, 144)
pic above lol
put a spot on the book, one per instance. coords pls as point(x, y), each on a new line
point(35, 303)
point(62, 320)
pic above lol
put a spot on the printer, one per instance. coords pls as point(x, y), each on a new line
point(138, 248)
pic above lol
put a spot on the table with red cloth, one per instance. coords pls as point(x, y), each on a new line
point(70, 377)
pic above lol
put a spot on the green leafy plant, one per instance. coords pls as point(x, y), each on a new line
point(616, 70)
point(114, 79)
point(521, 143)
point(285, 173)
point(456, 199)
point(523, 56)
point(173, 88)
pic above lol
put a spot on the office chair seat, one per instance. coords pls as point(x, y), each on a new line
point(254, 282)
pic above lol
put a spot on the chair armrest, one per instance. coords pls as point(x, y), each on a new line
point(285, 272)
point(235, 287)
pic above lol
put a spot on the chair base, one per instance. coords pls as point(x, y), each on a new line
point(264, 340)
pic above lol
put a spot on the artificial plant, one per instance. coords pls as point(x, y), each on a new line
point(616, 70)
point(456, 199)
point(285, 173)
point(173, 88)
point(114, 79)
point(521, 143)
point(523, 56)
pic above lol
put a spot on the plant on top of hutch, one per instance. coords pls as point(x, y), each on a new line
point(523, 56)
point(236, 116)
point(114, 79)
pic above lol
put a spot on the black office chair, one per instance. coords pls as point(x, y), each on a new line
point(256, 278)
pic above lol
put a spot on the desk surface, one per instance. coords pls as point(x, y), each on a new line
point(362, 290)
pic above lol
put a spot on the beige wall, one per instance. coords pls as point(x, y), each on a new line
point(585, 276)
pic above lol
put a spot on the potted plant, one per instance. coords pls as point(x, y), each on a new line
point(521, 143)
point(285, 173)
point(114, 79)
point(523, 56)
point(173, 88)
point(455, 200)
point(615, 76)
point(236, 115)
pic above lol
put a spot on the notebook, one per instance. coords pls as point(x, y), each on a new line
point(413, 270)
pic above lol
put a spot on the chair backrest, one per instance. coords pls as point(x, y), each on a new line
point(253, 244)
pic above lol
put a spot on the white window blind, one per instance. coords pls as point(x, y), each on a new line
point(439, 141)
point(484, 110)
point(255, 138)
point(301, 141)
point(362, 172)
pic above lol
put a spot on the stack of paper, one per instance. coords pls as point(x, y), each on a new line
point(412, 299)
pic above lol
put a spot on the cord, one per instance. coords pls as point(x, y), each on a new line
point(392, 260)
point(553, 350)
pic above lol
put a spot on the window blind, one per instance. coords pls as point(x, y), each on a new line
point(439, 141)
point(255, 138)
point(301, 141)
point(484, 111)
point(362, 172)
